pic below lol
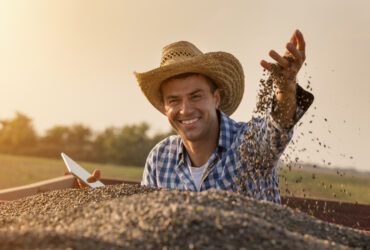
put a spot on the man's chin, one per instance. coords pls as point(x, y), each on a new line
point(190, 137)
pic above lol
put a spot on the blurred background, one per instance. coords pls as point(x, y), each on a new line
point(67, 83)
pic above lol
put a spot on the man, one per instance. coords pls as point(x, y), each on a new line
point(198, 92)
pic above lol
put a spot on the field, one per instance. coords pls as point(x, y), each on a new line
point(317, 183)
point(20, 170)
point(326, 184)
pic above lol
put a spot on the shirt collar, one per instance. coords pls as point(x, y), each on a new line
point(180, 152)
point(224, 139)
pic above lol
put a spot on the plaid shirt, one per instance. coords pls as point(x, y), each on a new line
point(166, 165)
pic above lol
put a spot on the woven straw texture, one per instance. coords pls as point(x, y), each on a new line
point(183, 57)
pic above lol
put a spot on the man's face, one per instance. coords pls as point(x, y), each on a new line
point(190, 107)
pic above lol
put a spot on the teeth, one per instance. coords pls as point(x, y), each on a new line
point(190, 121)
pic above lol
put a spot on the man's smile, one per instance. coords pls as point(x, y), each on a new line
point(187, 122)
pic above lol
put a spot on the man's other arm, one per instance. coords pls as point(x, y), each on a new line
point(149, 178)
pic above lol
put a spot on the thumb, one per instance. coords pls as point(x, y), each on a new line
point(96, 173)
point(95, 176)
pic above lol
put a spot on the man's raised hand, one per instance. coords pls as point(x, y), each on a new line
point(295, 49)
point(284, 72)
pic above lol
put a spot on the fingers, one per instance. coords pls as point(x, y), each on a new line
point(295, 53)
point(283, 62)
point(91, 179)
point(293, 39)
point(266, 65)
point(300, 41)
point(96, 173)
point(295, 48)
point(94, 177)
point(279, 59)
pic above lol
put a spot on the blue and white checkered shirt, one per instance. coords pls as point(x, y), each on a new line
point(166, 165)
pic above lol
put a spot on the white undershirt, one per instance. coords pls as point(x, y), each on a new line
point(196, 173)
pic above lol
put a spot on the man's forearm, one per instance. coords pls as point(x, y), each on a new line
point(284, 105)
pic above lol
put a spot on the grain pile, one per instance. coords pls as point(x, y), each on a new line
point(60, 200)
point(128, 216)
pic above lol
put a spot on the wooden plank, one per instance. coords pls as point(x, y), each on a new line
point(348, 214)
point(62, 182)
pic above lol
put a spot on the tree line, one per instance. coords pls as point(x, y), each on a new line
point(126, 145)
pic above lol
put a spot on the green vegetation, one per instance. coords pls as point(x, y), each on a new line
point(20, 170)
point(126, 145)
point(325, 184)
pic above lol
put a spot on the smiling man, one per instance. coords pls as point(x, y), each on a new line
point(198, 92)
point(190, 102)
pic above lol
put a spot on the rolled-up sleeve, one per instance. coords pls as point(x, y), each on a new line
point(265, 139)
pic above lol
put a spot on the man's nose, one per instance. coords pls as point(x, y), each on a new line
point(186, 107)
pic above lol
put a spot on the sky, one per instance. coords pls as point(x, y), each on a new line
point(72, 61)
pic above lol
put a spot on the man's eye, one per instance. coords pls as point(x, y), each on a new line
point(196, 96)
point(172, 101)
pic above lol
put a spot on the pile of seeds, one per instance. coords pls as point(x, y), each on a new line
point(164, 219)
point(60, 200)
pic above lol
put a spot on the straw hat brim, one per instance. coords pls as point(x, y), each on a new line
point(223, 68)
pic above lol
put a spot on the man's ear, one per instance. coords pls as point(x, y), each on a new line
point(217, 97)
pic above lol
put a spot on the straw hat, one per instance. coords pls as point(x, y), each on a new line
point(183, 57)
